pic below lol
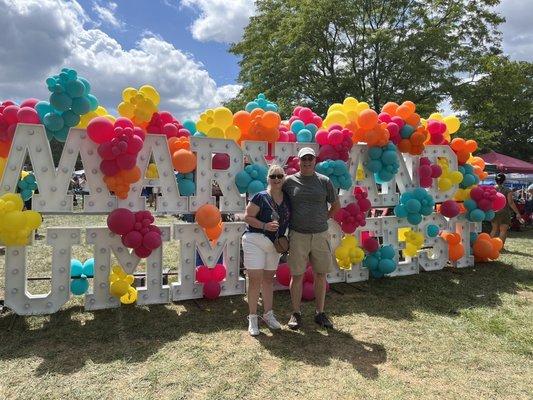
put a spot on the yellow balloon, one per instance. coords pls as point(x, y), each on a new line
point(3, 162)
point(215, 133)
point(126, 109)
point(362, 106)
point(233, 133)
point(424, 122)
point(456, 177)
point(335, 117)
point(128, 94)
point(335, 107)
point(436, 116)
point(130, 297)
point(118, 288)
point(452, 123)
point(445, 184)
point(33, 219)
point(150, 93)
point(350, 103)
point(16, 201)
point(223, 117)
point(14, 220)
point(359, 255)
point(341, 252)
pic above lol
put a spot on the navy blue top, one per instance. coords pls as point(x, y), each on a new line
point(266, 206)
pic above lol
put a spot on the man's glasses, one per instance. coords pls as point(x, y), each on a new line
point(276, 176)
point(307, 157)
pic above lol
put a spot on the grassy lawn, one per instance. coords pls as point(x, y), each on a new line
point(465, 334)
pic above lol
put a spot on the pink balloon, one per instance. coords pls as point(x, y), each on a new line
point(211, 290)
point(283, 274)
point(450, 208)
point(352, 208)
point(203, 274)
point(28, 115)
point(152, 240)
point(29, 103)
point(220, 161)
point(424, 171)
point(100, 130)
point(321, 137)
point(349, 227)
point(120, 221)
point(384, 117)
point(436, 170)
point(317, 120)
point(109, 167)
point(219, 272)
point(425, 182)
point(123, 122)
point(135, 145)
point(105, 151)
point(371, 244)
point(476, 193)
point(170, 130)
point(10, 114)
point(308, 291)
point(436, 138)
point(132, 239)
point(398, 121)
point(165, 117)
point(335, 137)
point(499, 202)
point(306, 115)
point(142, 252)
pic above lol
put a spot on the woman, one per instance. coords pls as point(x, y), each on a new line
point(267, 216)
point(502, 219)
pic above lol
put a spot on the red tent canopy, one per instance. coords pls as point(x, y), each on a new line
point(507, 164)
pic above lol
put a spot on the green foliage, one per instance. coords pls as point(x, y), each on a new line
point(317, 52)
point(498, 102)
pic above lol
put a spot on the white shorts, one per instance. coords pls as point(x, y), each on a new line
point(259, 252)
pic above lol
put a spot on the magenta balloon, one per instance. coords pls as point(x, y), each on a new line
point(306, 115)
point(321, 137)
point(384, 117)
point(308, 291)
point(335, 137)
point(166, 117)
point(29, 103)
point(370, 244)
point(109, 167)
point(105, 151)
point(220, 161)
point(424, 171)
point(353, 208)
point(283, 274)
point(152, 240)
point(100, 130)
point(364, 204)
point(436, 170)
point(132, 239)
point(499, 202)
point(425, 181)
point(484, 204)
point(211, 290)
point(476, 193)
point(120, 221)
point(219, 272)
point(170, 130)
point(10, 114)
point(135, 145)
point(142, 252)
point(203, 274)
point(126, 161)
point(436, 138)
point(28, 115)
point(450, 208)
point(349, 226)
point(398, 121)
point(123, 122)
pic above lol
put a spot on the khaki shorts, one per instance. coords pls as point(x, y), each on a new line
point(310, 247)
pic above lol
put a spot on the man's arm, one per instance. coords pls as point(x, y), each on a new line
point(335, 206)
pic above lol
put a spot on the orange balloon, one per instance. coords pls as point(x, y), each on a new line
point(455, 252)
point(367, 118)
point(271, 120)
point(463, 156)
point(497, 243)
point(483, 236)
point(243, 120)
point(458, 144)
point(256, 112)
point(417, 149)
point(131, 175)
point(482, 248)
point(404, 146)
point(208, 216)
point(417, 137)
point(390, 108)
point(214, 233)
point(470, 146)
point(410, 106)
point(184, 161)
point(413, 119)
point(177, 143)
point(403, 112)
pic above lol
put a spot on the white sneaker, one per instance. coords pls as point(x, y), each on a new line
point(253, 328)
point(271, 320)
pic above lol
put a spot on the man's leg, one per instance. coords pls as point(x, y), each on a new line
point(320, 291)
point(296, 286)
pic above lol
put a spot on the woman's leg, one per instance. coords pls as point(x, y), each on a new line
point(495, 228)
point(255, 276)
point(503, 232)
point(267, 289)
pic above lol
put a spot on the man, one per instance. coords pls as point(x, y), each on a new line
point(310, 193)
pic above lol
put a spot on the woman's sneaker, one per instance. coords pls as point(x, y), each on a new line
point(253, 328)
point(271, 320)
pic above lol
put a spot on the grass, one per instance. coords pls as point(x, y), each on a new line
point(454, 334)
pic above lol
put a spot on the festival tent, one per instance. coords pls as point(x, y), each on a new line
point(505, 163)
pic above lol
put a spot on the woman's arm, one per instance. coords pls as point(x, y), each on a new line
point(250, 217)
point(513, 206)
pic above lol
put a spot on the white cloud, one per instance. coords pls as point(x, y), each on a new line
point(40, 37)
point(107, 14)
point(220, 20)
point(518, 29)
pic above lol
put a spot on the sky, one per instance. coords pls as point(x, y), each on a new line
point(178, 46)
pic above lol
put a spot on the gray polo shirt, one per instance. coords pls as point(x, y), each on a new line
point(309, 196)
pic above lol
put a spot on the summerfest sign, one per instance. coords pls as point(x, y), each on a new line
point(53, 183)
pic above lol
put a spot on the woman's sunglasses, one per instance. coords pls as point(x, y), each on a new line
point(276, 176)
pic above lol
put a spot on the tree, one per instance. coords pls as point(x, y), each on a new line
point(317, 52)
point(498, 102)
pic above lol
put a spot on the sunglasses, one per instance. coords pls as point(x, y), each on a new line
point(276, 176)
point(307, 157)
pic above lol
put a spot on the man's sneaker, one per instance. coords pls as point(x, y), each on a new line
point(253, 329)
point(271, 320)
point(322, 320)
point(296, 321)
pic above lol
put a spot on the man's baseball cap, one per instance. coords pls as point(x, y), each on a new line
point(305, 151)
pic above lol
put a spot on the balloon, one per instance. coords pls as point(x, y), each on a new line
point(283, 274)
point(100, 130)
point(184, 161)
point(214, 232)
point(121, 221)
point(218, 273)
point(211, 290)
point(308, 291)
point(203, 274)
point(208, 216)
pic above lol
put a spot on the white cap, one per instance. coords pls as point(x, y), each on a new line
point(305, 151)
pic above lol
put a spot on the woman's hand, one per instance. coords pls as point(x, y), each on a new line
point(272, 226)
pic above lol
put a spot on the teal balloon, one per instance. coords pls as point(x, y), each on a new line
point(386, 266)
point(76, 268)
point(384, 176)
point(54, 122)
point(252, 105)
point(374, 166)
point(243, 179)
point(43, 108)
point(400, 211)
point(375, 152)
point(60, 101)
point(470, 204)
point(93, 101)
point(387, 251)
point(88, 268)
point(405, 197)
point(370, 262)
point(61, 135)
point(489, 215)
point(420, 193)
point(256, 186)
point(389, 157)
point(297, 126)
point(75, 88)
point(426, 210)
point(186, 187)
point(81, 105)
point(304, 135)
point(312, 128)
point(86, 85)
point(79, 286)
point(432, 230)
point(413, 206)
point(414, 218)
point(30, 179)
point(70, 119)
point(477, 215)
point(199, 134)
point(406, 131)
point(190, 125)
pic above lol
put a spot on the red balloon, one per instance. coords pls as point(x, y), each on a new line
point(211, 290)
point(371, 244)
point(499, 202)
point(152, 240)
point(123, 122)
point(142, 252)
point(109, 167)
point(450, 208)
point(283, 274)
point(29, 103)
point(220, 161)
point(203, 274)
point(308, 291)
point(219, 272)
point(121, 221)
point(101, 130)
point(28, 115)
point(132, 239)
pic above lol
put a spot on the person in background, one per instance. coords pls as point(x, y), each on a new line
point(502, 219)
point(267, 216)
point(314, 200)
